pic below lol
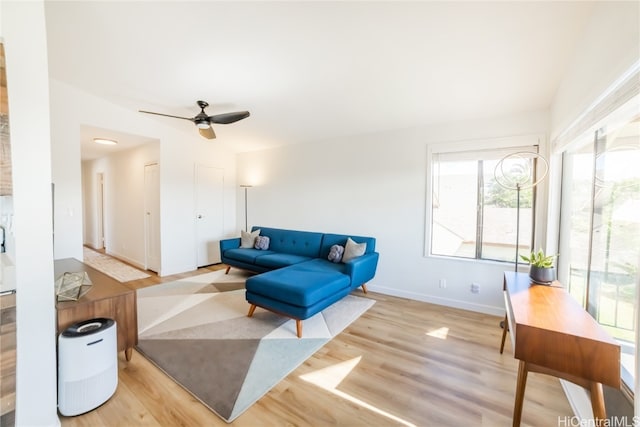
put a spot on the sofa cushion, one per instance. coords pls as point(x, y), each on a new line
point(248, 255)
point(278, 260)
point(304, 243)
point(318, 264)
point(247, 240)
point(353, 250)
point(301, 288)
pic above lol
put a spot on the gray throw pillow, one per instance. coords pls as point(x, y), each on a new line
point(247, 240)
point(262, 243)
point(335, 253)
point(353, 250)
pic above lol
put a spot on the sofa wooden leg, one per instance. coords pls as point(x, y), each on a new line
point(364, 288)
point(251, 310)
point(299, 328)
point(228, 268)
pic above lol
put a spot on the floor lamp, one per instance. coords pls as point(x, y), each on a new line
point(245, 186)
point(516, 171)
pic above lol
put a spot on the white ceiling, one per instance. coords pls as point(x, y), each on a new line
point(310, 71)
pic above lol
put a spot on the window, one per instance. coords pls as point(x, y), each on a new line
point(600, 230)
point(474, 206)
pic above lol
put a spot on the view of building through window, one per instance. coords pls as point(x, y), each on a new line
point(474, 216)
point(600, 232)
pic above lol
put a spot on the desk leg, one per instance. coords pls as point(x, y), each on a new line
point(522, 383)
point(127, 353)
point(597, 402)
point(505, 326)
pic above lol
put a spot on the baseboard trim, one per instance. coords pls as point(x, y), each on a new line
point(448, 302)
point(579, 400)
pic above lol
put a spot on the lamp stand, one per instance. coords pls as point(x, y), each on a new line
point(245, 210)
point(246, 215)
point(516, 182)
point(517, 225)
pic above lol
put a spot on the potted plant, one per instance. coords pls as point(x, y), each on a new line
point(542, 270)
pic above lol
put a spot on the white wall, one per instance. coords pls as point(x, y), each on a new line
point(374, 185)
point(609, 46)
point(179, 151)
point(23, 31)
point(123, 201)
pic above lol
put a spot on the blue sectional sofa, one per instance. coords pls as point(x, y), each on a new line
point(296, 277)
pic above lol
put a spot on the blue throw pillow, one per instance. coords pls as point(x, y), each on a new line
point(262, 243)
point(335, 253)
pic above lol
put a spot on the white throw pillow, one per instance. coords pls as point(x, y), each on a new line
point(247, 240)
point(353, 250)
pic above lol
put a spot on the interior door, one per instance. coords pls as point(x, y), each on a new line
point(152, 217)
point(209, 213)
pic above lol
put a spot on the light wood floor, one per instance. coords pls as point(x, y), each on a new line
point(7, 359)
point(402, 363)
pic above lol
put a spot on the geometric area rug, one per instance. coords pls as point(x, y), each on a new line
point(197, 331)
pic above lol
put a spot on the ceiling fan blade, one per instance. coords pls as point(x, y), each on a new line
point(227, 118)
point(207, 132)
point(166, 115)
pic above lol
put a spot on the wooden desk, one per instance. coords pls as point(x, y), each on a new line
point(107, 298)
point(552, 334)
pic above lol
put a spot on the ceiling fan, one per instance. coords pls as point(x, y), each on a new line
point(203, 121)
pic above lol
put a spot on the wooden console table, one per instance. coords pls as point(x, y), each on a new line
point(107, 298)
point(552, 334)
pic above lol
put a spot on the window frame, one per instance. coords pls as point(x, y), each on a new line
point(518, 143)
point(591, 137)
point(618, 102)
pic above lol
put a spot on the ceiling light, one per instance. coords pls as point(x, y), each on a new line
point(105, 141)
point(202, 124)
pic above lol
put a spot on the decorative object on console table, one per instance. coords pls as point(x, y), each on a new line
point(72, 286)
point(542, 270)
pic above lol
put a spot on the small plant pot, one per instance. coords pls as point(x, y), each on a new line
point(543, 276)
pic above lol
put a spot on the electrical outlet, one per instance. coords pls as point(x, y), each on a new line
point(443, 283)
point(475, 288)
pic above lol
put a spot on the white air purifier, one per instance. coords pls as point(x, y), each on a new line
point(87, 365)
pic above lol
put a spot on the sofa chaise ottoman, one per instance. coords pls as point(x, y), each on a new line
point(296, 293)
point(297, 279)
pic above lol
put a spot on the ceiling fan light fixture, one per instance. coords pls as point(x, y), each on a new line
point(204, 122)
point(105, 141)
